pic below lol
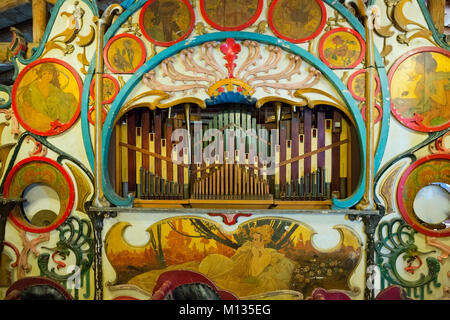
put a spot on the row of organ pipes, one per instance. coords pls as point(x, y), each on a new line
point(235, 152)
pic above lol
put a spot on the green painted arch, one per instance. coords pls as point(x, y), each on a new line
point(219, 36)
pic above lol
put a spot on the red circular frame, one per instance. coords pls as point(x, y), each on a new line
point(380, 112)
point(353, 32)
point(236, 28)
point(70, 202)
point(353, 76)
point(407, 121)
point(166, 44)
point(313, 35)
point(116, 85)
point(124, 35)
point(91, 120)
point(410, 219)
point(58, 129)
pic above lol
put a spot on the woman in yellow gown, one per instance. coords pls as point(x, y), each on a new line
point(253, 269)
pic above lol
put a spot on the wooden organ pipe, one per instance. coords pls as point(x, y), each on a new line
point(319, 170)
point(310, 151)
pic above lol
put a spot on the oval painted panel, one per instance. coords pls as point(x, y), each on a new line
point(420, 89)
point(231, 15)
point(297, 20)
point(43, 171)
point(47, 97)
point(110, 88)
point(357, 85)
point(341, 48)
point(430, 170)
point(124, 53)
point(166, 22)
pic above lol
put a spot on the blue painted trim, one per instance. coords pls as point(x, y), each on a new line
point(196, 41)
point(7, 90)
point(384, 83)
point(85, 125)
point(126, 3)
point(437, 36)
point(129, 10)
point(130, 7)
point(230, 97)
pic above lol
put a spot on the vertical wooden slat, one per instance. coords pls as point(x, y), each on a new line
point(320, 138)
point(138, 162)
point(145, 118)
point(151, 142)
point(277, 170)
point(328, 157)
point(335, 152)
point(118, 158)
point(186, 173)
point(301, 150)
point(437, 13)
point(295, 145)
point(131, 138)
point(283, 133)
point(164, 162)
point(314, 140)
point(39, 11)
point(158, 135)
point(169, 128)
point(343, 160)
point(124, 158)
point(307, 139)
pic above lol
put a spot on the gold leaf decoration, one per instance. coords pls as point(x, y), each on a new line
point(400, 18)
point(387, 188)
point(84, 41)
point(83, 187)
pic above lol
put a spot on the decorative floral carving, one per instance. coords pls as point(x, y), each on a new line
point(204, 71)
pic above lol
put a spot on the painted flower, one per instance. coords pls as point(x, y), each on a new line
point(341, 51)
point(337, 40)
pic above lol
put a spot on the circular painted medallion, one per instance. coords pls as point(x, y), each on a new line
point(420, 89)
point(124, 53)
point(297, 20)
point(357, 85)
point(110, 88)
point(45, 172)
point(166, 22)
point(428, 171)
point(378, 112)
point(341, 48)
point(47, 97)
point(231, 15)
point(91, 115)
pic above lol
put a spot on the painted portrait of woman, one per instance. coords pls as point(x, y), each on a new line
point(252, 269)
point(46, 98)
point(420, 89)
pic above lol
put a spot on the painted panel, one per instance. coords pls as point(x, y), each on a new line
point(262, 257)
point(47, 97)
point(420, 89)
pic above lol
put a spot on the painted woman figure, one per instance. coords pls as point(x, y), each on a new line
point(432, 91)
point(43, 101)
point(164, 26)
point(253, 269)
